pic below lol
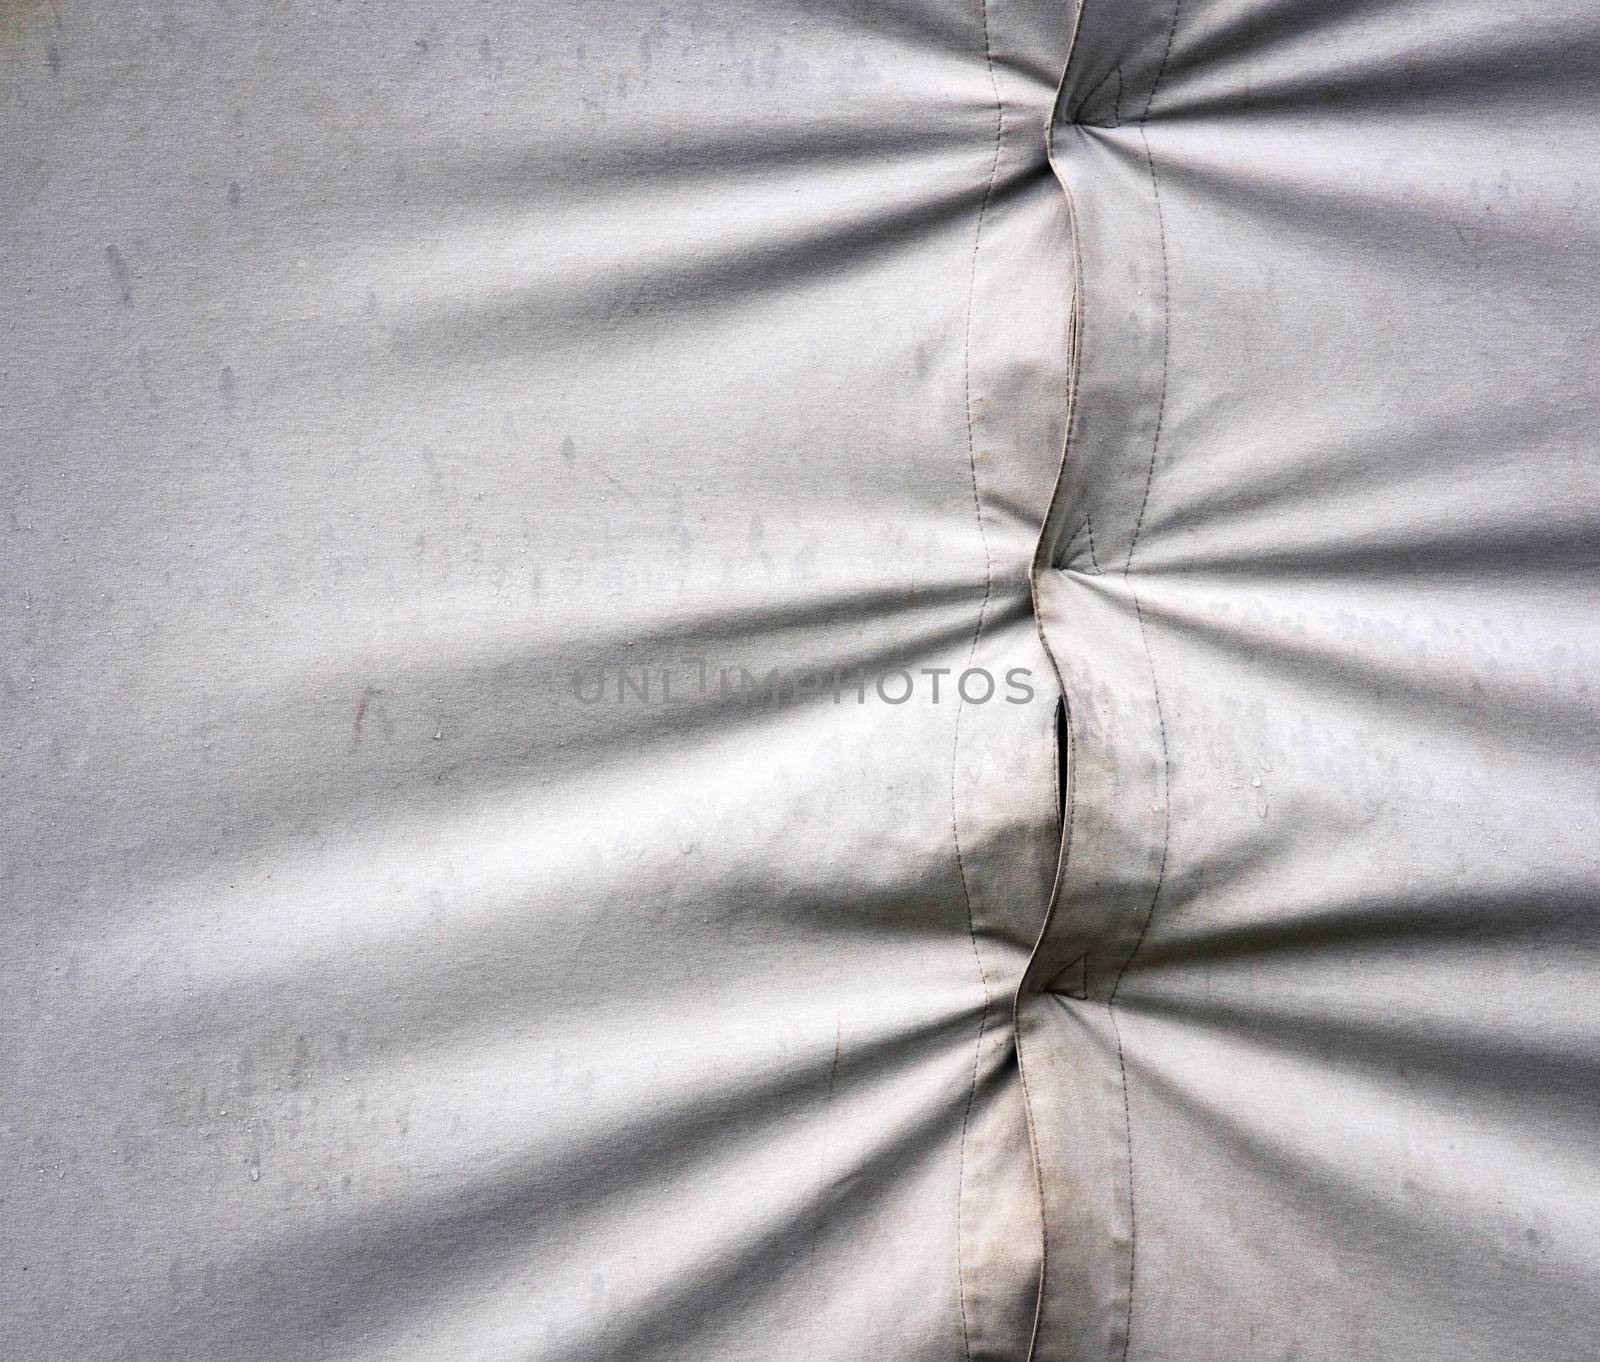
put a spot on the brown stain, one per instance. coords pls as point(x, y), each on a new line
point(366, 710)
point(361, 710)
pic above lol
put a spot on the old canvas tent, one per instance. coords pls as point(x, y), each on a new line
point(491, 492)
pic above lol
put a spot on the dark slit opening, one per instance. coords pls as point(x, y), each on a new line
point(1061, 763)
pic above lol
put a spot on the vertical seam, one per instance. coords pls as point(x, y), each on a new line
point(1166, 285)
point(1127, 1132)
point(1041, 556)
point(972, 652)
point(1111, 998)
point(1094, 558)
point(1155, 687)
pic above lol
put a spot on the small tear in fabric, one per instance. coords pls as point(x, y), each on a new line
point(1061, 765)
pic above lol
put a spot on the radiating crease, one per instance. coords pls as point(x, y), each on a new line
point(1467, 1052)
point(1394, 524)
point(447, 1239)
point(1520, 718)
point(500, 963)
point(501, 848)
point(493, 752)
point(1552, 552)
point(1251, 66)
point(704, 161)
point(1266, 182)
point(1421, 923)
point(1332, 1179)
point(488, 299)
point(713, 1287)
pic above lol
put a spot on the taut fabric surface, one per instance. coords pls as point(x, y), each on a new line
point(498, 860)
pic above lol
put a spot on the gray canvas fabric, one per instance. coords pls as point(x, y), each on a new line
point(1321, 581)
point(370, 373)
point(385, 387)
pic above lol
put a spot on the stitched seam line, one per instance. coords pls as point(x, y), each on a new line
point(1155, 687)
point(1127, 1131)
point(1144, 927)
point(1069, 811)
point(972, 652)
point(1041, 559)
point(1166, 287)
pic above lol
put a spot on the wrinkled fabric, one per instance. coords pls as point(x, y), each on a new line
point(376, 377)
point(1320, 578)
point(432, 932)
